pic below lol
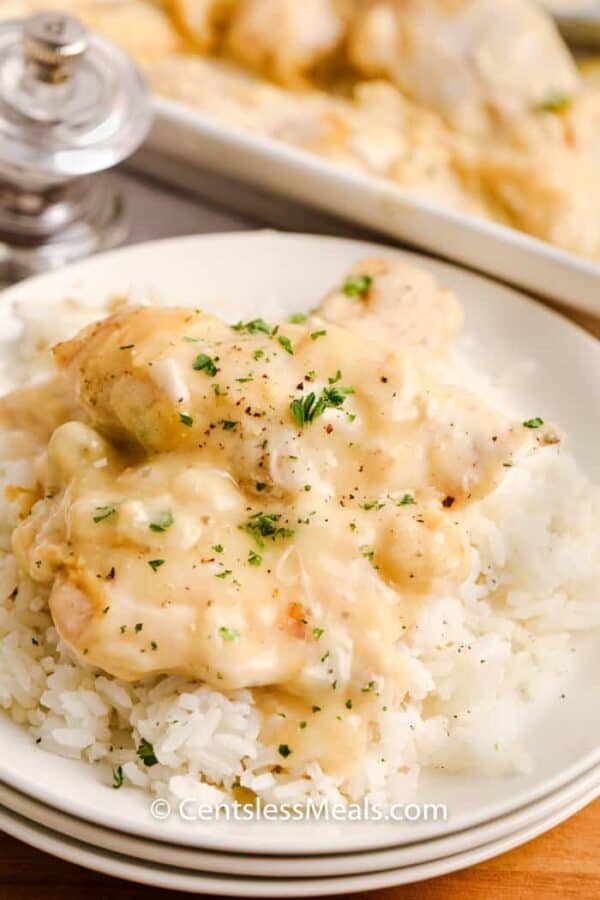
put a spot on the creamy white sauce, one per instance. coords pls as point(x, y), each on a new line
point(235, 543)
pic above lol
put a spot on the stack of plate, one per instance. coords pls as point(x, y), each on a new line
point(60, 807)
point(66, 808)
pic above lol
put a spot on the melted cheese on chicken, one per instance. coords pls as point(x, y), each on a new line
point(263, 507)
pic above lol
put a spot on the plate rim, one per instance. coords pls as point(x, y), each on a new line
point(177, 879)
point(376, 860)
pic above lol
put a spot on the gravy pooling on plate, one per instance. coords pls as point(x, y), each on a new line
point(263, 506)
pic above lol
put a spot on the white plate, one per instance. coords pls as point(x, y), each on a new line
point(179, 880)
point(294, 867)
point(272, 274)
point(185, 134)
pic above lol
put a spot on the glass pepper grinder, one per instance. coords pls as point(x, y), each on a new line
point(72, 106)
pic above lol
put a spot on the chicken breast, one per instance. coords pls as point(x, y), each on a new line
point(285, 39)
point(393, 301)
point(476, 62)
point(234, 498)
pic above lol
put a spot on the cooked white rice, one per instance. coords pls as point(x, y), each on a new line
point(477, 663)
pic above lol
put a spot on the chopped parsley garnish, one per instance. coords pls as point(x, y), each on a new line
point(127, 347)
point(348, 703)
point(336, 396)
point(218, 548)
point(358, 285)
point(254, 559)
point(156, 564)
point(316, 709)
point(297, 318)
point(186, 420)
point(118, 778)
point(318, 633)
point(153, 645)
point(302, 724)
point(249, 377)
point(370, 688)
point(139, 627)
point(224, 574)
point(191, 340)
point(337, 377)
point(309, 408)
point(228, 634)
point(204, 363)
point(286, 344)
point(163, 521)
point(146, 753)
point(260, 486)
point(284, 751)
point(317, 334)
point(373, 504)
point(258, 354)
point(228, 425)
point(254, 327)
point(533, 423)
point(555, 102)
point(103, 513)
point(266, 525)
point(407, 500)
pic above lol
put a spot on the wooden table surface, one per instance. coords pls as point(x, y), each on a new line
point(563, 864)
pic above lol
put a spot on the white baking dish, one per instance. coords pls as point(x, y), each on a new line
point(181, 133)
